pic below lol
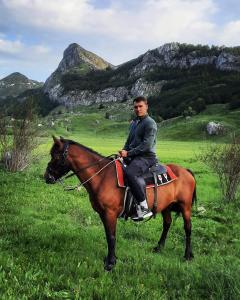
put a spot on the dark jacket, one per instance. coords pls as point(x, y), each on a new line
point(141, 140)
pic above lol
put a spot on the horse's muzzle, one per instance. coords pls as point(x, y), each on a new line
point(49, 178)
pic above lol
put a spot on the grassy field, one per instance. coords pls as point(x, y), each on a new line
point(52, 243)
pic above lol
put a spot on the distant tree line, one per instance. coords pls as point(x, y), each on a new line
point(206, 50)
point(40, 102)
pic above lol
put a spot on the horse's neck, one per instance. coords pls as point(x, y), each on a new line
point(82, 159)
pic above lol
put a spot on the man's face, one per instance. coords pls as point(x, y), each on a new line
point(140, 108)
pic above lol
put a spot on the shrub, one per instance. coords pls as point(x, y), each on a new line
point(224, 160)
point(188, 112)
point(18, 141)
point(101, 106)
point(107, 115)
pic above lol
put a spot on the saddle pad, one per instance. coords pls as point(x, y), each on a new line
point(163, 179)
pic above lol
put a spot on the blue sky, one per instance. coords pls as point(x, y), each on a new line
point(34, 33)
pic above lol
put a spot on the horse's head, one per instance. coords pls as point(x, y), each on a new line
point(58, 165)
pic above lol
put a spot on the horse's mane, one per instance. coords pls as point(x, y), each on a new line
point(84, 147)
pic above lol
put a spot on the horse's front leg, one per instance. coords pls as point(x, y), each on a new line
point(167, 220)
point(109, 219)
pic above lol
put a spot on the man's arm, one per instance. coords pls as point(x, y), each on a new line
point(124, 151)
point(128, 141)
point(126, 146)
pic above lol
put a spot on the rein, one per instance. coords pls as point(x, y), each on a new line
point(78, 186)
point(89, 166)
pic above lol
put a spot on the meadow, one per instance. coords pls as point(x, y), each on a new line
point(52, 243)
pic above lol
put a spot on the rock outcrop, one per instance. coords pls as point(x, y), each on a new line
point(214, 128)
point(86, 97)
point(228, 62)
point(170, 56)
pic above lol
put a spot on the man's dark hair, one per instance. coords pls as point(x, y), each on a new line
point(139, 99)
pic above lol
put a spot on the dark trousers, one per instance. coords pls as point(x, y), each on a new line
point(134, 171)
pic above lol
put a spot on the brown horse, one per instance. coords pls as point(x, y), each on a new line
point(107, 198)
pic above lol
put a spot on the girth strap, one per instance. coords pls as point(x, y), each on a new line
point(154, 210)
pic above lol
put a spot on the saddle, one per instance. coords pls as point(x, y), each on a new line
point(156, 176)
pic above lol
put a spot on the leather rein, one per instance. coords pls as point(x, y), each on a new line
point(78, 186)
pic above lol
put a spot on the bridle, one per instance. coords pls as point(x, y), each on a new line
point(114, 157)
point(62, 163)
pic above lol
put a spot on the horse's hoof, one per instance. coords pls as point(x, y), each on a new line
point(157, 249)
point(108, 265)
point(189, 256)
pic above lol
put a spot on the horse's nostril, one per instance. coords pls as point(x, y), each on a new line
point(48, 178)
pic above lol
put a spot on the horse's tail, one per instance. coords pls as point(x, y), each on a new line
point(194, 197)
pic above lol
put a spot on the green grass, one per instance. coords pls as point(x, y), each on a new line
point(52, 243)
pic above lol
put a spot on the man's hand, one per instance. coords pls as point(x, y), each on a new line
point(123, 153)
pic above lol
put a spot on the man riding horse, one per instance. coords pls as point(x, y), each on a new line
point(139, 154)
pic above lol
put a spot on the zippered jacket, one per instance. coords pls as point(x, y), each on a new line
point(141, 140)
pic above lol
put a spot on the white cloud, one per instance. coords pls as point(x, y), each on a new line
point(148, 20)
point(10, 47)
point(53, 14)
point(229, 35)
point(18, 50)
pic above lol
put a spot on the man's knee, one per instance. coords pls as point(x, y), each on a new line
point(131, 178)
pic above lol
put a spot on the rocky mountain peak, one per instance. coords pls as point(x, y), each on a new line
point(15, 77)
point(78, 60)
point(15, 84)
point(71, 48)
point(76, 56)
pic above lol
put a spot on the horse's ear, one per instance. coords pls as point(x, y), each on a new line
point(56, 141)
point(62, 139)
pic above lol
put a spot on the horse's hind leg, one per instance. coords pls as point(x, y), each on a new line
point(167, 220)
point(188, 228)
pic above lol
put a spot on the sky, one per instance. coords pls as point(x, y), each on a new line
point(34, 33)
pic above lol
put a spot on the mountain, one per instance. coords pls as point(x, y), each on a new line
point(176, 78)
point(195, 71)
point(15, 84)
point(76, 60)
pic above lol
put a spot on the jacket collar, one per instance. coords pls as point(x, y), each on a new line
point(141, 118)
